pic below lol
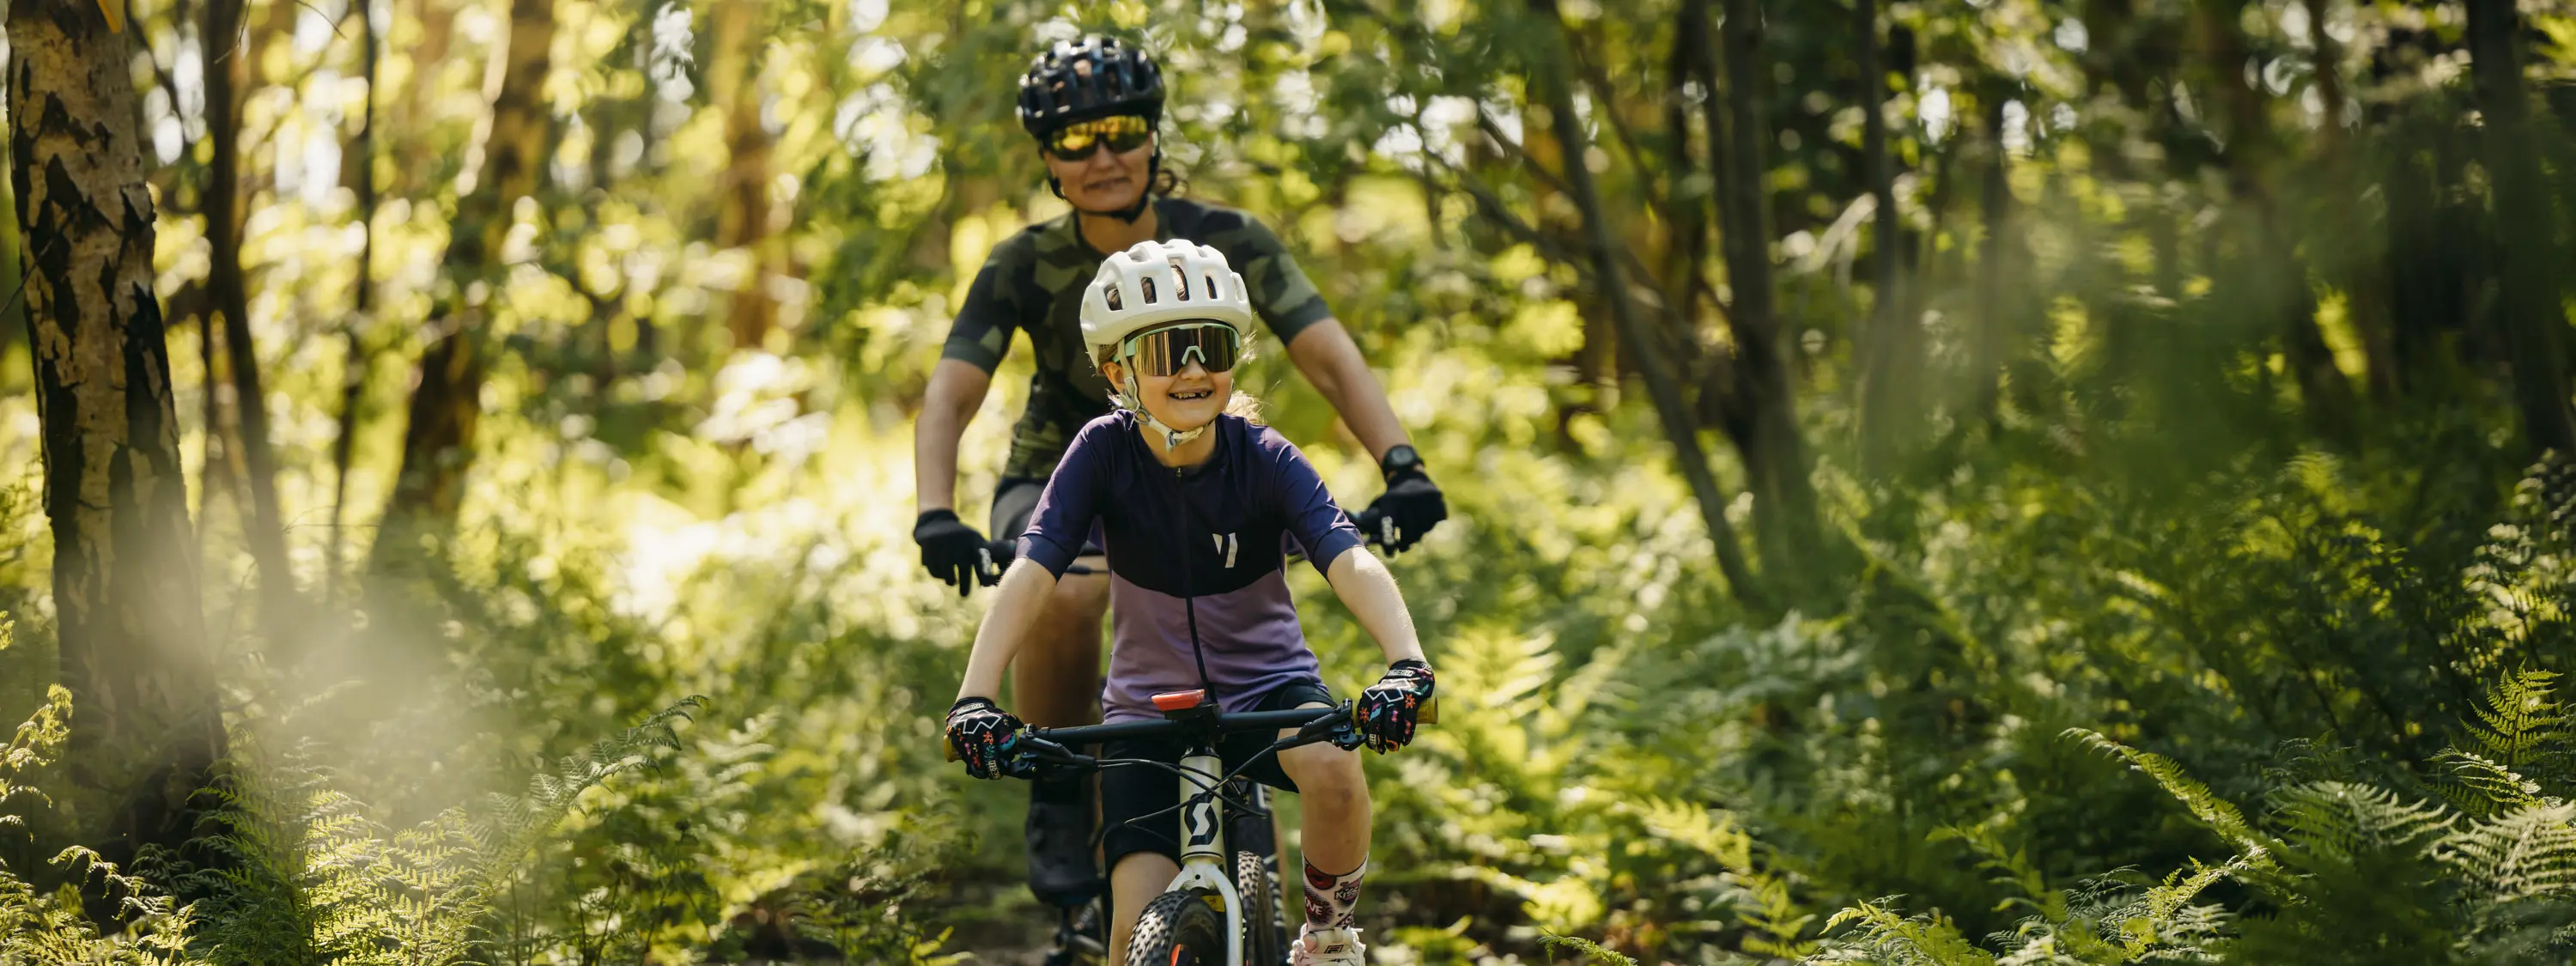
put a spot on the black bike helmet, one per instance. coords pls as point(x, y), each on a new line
point(1096, 76)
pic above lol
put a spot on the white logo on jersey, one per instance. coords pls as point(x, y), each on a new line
point(1226, 545)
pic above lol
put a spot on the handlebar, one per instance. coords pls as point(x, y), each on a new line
point(1322, 721)
point(1000, 553)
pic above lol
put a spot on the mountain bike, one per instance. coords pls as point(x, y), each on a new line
point(1222, 909)
point(1080, 935)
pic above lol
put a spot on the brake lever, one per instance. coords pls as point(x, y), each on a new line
point(989, 566)
point(1035, 754)
point(1338, 729)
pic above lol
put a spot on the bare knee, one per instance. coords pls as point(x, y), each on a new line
point(1327, 777)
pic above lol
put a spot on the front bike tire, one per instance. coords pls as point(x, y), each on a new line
point(1260, 896)
point(1178, 929)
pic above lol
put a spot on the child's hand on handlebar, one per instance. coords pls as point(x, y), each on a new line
point(983, 735)
point(1389, 709)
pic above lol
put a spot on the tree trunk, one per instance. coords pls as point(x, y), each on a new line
point(2268, 275)
point(744, 222)
point(149, 729)
point(264, 524)
point(411, 114)
point(1998, 310)
point(2529, 310)
point(13, 316)
point(353, 376)
point(1887, 350)
point(1775, 456)
point(1642, 348)
point(438, 439)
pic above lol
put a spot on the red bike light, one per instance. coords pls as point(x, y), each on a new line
point(1179, 700)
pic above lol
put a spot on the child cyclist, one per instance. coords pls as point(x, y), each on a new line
point(1191, 502)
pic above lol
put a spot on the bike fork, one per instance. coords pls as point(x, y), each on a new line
point(1203, 860)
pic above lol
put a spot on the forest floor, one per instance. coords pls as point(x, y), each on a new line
point(995, 922)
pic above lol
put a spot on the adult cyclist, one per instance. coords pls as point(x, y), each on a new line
point(1094, 107)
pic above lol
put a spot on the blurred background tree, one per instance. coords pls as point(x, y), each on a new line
point(2191, 373)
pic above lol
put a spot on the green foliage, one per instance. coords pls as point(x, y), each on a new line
point(2317, 601)
point(1589, 951)
point(60, 928)
point(2345, 872)
point(301, 873)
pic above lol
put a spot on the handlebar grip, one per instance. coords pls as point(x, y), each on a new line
point(1371, 524)
point(1429, 714)
point(947, 748)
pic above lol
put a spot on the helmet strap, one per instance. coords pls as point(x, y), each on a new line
point(1133, 401)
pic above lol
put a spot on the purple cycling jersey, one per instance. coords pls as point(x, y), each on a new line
point(1201, 542)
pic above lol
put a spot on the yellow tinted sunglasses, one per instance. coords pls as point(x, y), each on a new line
point(1121, 132)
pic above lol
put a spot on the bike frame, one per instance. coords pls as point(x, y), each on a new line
point(1203, 849)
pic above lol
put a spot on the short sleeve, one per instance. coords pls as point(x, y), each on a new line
point(981, 333)
point(1062, 520)
point(1312, 517)
point(1280, 291)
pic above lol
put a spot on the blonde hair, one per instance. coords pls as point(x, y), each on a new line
point(1243, 406)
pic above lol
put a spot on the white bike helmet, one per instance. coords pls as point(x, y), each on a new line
point(1151, 284)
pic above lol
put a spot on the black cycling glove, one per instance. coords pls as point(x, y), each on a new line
point(1389, 708)
point(983, 734)
point(1411, 505)
point(950, 550)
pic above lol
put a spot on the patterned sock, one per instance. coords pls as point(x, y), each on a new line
point(1332, 900)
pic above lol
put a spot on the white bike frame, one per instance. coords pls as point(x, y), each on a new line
point(1203, 856)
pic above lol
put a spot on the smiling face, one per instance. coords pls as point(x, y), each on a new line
point(1186, 400)
point(1108, 180)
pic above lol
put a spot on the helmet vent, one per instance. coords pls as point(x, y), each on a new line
point(1115, 295)
point(1211, 286)
point(1181, 275)
point(1149, 290)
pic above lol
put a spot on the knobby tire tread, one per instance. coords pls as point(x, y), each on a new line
point(1178, 929)
point(1260, 897)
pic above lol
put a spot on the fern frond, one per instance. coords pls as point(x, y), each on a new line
point(2527, 853)
point(2519, 725)
point(2218, 814)
point(39, 740)
point(1879, 935)
point(2011, 868)
point(1591, 952)
point(1764, 903)
point(2339, 821)
point(2164, 916)
point(2481, 788)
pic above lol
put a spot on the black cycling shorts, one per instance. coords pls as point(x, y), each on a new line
point(1014, 498)
point(1136, 791)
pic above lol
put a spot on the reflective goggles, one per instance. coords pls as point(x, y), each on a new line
point(1166, 351)
point(1121, 132)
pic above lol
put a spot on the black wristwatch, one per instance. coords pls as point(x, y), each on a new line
point(1399, 459)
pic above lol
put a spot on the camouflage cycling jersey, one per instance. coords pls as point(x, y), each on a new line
point(1033, 281)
